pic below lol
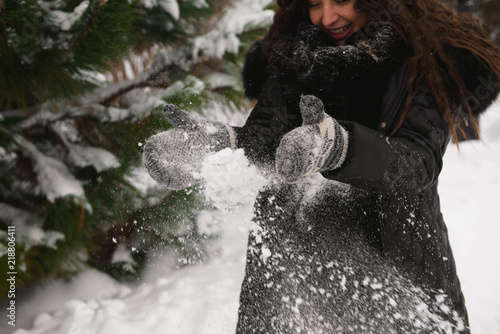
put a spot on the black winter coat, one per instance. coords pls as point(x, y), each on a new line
point(392, 180)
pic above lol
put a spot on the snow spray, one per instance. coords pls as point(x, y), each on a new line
point(312, 266)
point(230, 184)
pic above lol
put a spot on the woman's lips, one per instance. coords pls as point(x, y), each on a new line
point(341, 33)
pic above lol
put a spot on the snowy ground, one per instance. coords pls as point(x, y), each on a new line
point(203, 299)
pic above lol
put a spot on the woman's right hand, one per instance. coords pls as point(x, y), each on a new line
point(174, 157)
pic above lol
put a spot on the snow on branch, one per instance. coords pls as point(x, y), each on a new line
point(83, 156)
point(245, 15)
point(54, 178)
point(169, 6)
point(62, 19)
point(28, 228)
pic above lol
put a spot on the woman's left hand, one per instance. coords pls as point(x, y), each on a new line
point(320, 144)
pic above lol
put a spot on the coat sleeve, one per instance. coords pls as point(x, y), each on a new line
point(407, 162)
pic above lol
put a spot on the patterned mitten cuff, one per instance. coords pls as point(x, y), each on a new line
point(320, 144)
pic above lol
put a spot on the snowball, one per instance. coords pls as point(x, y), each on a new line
point(229, 179)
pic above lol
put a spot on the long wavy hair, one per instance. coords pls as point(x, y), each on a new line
point(429, 29)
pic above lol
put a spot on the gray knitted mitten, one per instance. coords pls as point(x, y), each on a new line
point(174, 157)
point(320, 144)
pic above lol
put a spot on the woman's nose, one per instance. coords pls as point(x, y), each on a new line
point(330, 15)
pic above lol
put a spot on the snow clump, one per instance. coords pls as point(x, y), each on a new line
point(230, 181)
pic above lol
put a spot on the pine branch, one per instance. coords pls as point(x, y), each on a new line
point(89, 25)
point(149, 78)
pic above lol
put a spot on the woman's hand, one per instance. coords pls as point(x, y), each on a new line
point(174, 157)
point(320, 144)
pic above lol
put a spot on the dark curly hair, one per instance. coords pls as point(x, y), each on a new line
point(430, 30)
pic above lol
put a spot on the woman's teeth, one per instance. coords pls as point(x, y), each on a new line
point(340, 30)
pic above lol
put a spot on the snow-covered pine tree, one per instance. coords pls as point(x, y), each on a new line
point(72, 124)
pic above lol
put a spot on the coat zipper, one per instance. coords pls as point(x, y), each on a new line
point(392, 112)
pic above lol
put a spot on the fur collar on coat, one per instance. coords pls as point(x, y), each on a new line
point(351, 79)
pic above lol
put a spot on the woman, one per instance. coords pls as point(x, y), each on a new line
point(368, 94)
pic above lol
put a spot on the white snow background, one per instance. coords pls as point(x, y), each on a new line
point(203, 299)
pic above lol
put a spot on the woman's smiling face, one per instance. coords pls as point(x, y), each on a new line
point(338, 18)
